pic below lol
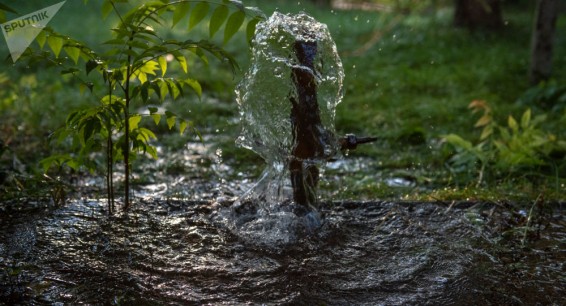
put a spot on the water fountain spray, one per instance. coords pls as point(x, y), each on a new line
point(287, 103)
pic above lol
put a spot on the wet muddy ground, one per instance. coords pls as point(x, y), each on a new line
point(366, 253)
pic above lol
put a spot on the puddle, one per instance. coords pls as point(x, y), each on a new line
point(365, 253)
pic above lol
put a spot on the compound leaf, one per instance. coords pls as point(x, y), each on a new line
point(233, 25)
point(217, 19)
point(198, 13)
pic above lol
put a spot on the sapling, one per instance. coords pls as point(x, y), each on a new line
point(135, 70)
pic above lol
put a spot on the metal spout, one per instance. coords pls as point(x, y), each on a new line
point(351, 141)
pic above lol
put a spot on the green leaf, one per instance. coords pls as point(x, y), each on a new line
point(182, 126)
point(73, 118)
point(217, 19)
point(162, 65)
point(55, 43)
point(90, 65)
point(91, 127)
point(504, 134)
point(233, 25)
point(458, 141)
point(486, 132)
point(198, 13)
point(163, 89)
point(180, 11)
point(47, 162)
point(512, 123)
point(73, 52)
point(198, 134)
point(156, 87)
point(171, 121)
point(141, 76)
point(75, 164)
point(183, 62)
point(144, 90)
point(108, 100)
point(484, 120)
point(200, 54)
point(41, 38)
point(179, 85)
point(526, 119)
point(106, 8)
point(173, 90)
point(152, 151)
point(146, 134)
point(156, 118)
point(134, 121)
point(195, 85)
point(149, 67)
point(250, 29)
point(57, 159)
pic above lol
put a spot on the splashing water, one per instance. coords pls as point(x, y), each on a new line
point(289, 93)
point(263, 95)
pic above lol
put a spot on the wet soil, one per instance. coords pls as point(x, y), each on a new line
point(177, 252)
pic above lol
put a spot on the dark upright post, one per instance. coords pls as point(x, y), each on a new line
point(307, 126)
point(309, 136)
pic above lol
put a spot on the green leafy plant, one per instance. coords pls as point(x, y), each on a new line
point(519, 145)
point(546, 95)
point(136, 69)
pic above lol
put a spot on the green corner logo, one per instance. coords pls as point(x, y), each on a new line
point(19, 33)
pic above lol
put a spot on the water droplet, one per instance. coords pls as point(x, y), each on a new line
point(278, 72)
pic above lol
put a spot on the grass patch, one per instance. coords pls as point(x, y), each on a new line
point(409, 80)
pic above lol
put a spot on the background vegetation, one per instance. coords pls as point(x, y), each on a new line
point(410, 79)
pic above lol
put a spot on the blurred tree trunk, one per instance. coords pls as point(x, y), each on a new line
point(542, 40)
point(473, 14)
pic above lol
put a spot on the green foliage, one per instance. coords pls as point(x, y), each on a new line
point(505, 150)
point(4, 8)
point(547, 95)
point(134, 70)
